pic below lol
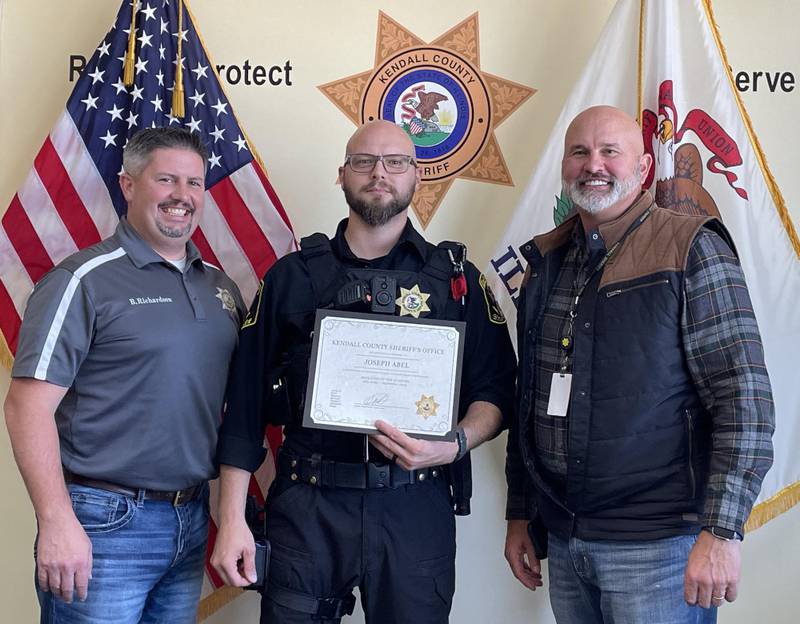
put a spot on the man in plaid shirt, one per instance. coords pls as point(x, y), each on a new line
point(645, 410)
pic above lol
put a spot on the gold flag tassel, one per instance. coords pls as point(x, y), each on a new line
point(130, 56)
point(177, 91)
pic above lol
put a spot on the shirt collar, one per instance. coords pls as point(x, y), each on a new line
point(609, 233)
point(590, 242)
point(408, 237)
point(613, 231)
point(142, 253)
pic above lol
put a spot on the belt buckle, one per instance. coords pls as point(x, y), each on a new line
point(179, 497)
point(378, 476)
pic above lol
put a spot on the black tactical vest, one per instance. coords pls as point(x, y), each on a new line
point(329, 277)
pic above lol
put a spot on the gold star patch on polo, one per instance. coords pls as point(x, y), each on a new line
point(228, 303)
point(426, 406)
point(412, 302)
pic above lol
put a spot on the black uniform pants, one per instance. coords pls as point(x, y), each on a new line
point(397, 545)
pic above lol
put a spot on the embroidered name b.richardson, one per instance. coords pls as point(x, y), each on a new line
point(149, 300)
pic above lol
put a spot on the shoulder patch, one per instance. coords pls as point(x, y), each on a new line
point(252, 315)
point(493, 309)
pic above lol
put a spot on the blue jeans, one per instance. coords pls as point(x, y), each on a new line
point(147, 560)
point(622, 582)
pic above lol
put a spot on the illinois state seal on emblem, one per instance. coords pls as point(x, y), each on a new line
point(438, 93)
point(440, 99)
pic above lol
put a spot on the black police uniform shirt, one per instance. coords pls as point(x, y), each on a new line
point(281, 319)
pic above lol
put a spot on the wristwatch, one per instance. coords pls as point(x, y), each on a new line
point(723, 534)
point(461, 439)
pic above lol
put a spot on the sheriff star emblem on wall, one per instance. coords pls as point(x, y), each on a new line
point(438, 93)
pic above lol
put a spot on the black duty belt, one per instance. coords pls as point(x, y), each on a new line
point(176, 497)
point(362, 475)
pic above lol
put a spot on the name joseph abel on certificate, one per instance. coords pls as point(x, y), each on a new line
point(366, 367)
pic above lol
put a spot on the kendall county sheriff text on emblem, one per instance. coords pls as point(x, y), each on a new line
point(437, 92)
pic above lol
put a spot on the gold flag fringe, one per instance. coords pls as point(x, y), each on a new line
point(773, 507)
point(772, 185)
point(6, 359)
point(178, 109)
point(216, 600)
point(128, 66)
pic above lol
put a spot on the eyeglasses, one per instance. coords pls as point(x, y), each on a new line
point(393, 163)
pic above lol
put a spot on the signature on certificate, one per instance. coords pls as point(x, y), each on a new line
point(378, 399)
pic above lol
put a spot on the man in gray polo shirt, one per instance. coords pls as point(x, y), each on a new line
point(116, 398)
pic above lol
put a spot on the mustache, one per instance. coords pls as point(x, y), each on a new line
point(174, 203)
point(377, 184)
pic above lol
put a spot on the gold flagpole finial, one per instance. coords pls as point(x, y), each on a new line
point(130, 55)
point(178, 109)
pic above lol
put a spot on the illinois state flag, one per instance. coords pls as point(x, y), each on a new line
point(71, 197)
point(663, 61)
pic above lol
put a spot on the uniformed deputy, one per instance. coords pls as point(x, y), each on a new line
point(343, 513)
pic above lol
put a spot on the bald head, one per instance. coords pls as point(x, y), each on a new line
point(604, 162)
point(377, 197)
point(614, 124)
point(381, 132)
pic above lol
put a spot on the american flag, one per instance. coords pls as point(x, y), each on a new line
point(71, 197)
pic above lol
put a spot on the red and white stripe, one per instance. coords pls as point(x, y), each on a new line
point(64, 205)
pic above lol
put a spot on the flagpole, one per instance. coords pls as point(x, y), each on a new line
point(250, 144)
point(772, 185)
point(640, 72)
point(216, 600)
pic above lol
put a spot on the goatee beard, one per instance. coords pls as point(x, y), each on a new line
point(588, 201)
point(376, 215)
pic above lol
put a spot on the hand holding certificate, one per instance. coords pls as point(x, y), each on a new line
point(366, 367)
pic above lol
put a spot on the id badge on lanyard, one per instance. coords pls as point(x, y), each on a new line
point(559, 394)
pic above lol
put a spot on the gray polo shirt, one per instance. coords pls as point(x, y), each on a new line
point(144, 350)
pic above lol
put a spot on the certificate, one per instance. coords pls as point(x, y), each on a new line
point(368, 367)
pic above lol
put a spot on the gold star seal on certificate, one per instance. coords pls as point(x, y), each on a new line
point(412, 301)
point(426, 406)
point(440, 95)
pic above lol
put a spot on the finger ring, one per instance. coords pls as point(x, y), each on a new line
point(717, 597)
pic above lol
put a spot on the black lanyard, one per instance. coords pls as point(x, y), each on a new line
point(565, 342)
